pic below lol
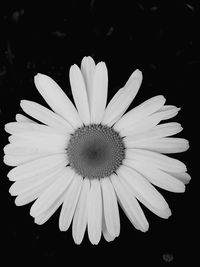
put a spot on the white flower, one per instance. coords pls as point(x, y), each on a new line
point(89, 157)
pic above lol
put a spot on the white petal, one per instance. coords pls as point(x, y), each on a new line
point(168, 111)
point(43, 217)
point(148, 122)
point(46, 116)
point(141, 126)
point(15, 160)
point(87, 69)
point(35, 192)
point(79, 93)
point(69, 204)
point(22, 118)
point(145, 192)
point(156, 176)
point(107, 236)
point(158, 160)
point(99, 93)
point(24, 185)
point(122, 99)
point(162, 145)
point(21, 127)
point(129, 204)
point(26, 149)
point(105, 232)
point(80, 216)
point(22, 150)
point(57, 99)
point(159, 131)
point(94, 212)
point(29, 196)
point(140, 112)
point(184, 177)
point(110, 205)
point(52, 193)
point(36, 143)
point(38, 167)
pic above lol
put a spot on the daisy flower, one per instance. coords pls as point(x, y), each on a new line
point(89, 157)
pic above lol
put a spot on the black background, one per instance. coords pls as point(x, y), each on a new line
point(158, 37)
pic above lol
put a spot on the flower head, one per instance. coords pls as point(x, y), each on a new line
point(89, 156)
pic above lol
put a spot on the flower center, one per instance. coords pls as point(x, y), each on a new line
point(95, 151)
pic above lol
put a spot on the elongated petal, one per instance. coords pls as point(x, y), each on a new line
point(79, 94)
point(148, 122)
point(52, 193)
point(43, 217)
point(105, 232)
point(22, 150)
point(111, 211)
point(57, 99)
point(46, 116)
point(99, 93)
point(122, 99)
point(168, 111)
point(24, 185)
point(22, 127)
point(26, 148)
point(140, 112)
point(184, 177)
point(32, 194)
point(141, 126)
point(70, 201)
point(145, 192)
point(35, 192)
point(15, 160)
point(158, 160)
point(87, 69)
point(159, 131)
point(22, 118)
point(81, 213)
point(156, 176)
point(162, 145)
point(37, 168)
point(129, 204)
point(36, 143)
point(94, 212)
point(29, 150)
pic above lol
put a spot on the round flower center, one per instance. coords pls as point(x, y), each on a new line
point(95, 151)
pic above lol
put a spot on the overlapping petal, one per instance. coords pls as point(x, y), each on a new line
point(52, 193)
point(46, 116)
point(99, 93)
point(111, 212)
point(87, 69)
point(57, 99)
point(140, 112)
point(122, 99)
point(81, 213)
point(94, 212)
point(79, 93)
point(129, 204)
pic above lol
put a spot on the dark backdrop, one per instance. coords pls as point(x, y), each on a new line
point(158, 37)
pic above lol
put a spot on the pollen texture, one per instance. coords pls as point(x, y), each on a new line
point(95, 151)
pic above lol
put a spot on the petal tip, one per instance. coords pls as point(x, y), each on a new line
point(39, 75)
point(145, 228)
point(88, 61)
point(73, 69)
point(167, 213)
point(137, 74)
point(102, 66)
point(41, 78)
